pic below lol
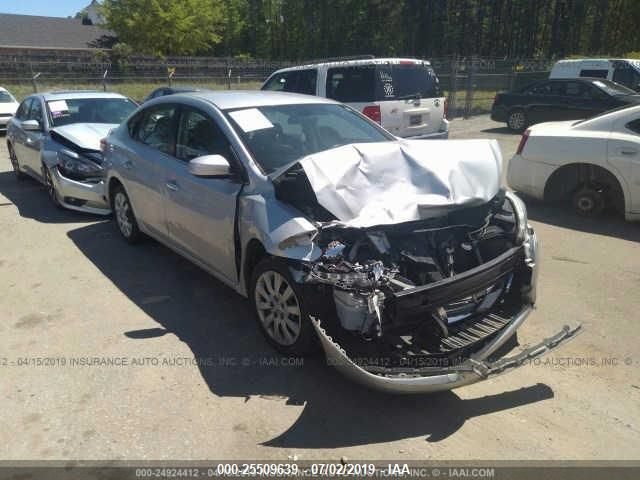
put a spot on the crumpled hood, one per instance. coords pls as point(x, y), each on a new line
point(85, 135)
point(370, 184)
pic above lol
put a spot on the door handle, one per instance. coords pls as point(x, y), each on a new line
point(173, 186)
point(628, 151)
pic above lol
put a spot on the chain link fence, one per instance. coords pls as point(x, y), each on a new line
point(470, 83)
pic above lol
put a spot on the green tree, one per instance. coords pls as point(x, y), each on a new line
point(166, 27)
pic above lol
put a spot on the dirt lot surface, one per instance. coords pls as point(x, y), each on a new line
point(73, 291)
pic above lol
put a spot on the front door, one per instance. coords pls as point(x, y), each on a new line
point(33, 140)
point(201, 211)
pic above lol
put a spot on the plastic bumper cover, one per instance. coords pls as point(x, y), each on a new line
point(88, 196)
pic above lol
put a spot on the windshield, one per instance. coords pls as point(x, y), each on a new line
point(613, 88)
point(6, 97)
point(278, 135)
point(89, 110)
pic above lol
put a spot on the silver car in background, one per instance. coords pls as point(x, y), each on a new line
point(55, 138)
point(405, 260)
point(8, 107)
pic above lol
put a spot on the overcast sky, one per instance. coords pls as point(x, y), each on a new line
point(47, 8)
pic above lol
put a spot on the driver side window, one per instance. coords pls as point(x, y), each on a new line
point(36, 112)
point(199, 135)
point(23, 109)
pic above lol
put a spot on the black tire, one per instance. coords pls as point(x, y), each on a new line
point(14, 163)
point(124, 216)
point(588, 202)
point(517, 120)
point(51, 188)
point(282, 312)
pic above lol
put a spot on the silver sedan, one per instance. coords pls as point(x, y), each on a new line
point(55, 138)
point(405, 260)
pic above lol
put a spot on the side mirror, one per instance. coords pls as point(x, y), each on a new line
point(31, 126)
point(210, 166)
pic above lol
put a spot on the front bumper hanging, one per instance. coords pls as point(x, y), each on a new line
point(433, 379)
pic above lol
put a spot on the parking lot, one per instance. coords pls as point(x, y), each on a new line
point(117, 352)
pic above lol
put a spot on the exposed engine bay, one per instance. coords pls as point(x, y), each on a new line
point(391, 294)
point(426, 266)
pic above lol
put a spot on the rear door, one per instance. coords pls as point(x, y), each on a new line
point(15, 131)
point(146, 162)
point(34, 139)
point(623, 151)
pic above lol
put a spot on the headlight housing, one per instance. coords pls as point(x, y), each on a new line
point(75, 165)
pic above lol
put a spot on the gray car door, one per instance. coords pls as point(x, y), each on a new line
point(201, 211)
point(35, 139)
point(15, 132)
point(145, 164)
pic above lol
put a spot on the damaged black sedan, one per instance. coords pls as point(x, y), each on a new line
point(406, 260)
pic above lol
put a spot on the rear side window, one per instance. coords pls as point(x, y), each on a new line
point(352, 84)
point(634, 126)
point(546, 88)
point(626, 75)
point(594, 73)
point(297, 81)
point(157, 128)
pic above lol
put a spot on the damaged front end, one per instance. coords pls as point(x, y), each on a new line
point(429, 303)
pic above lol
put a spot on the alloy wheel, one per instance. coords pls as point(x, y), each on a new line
point(51, 189)
point(123, 214)
point(278, 307)
point(517, 121)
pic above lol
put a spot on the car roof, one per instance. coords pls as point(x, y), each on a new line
point(73, 94)
point(347, 63)
point(230, 99)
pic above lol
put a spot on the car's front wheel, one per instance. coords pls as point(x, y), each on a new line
point(280, 309)
point(51, 188)
point(125, 218)
point(14, 163)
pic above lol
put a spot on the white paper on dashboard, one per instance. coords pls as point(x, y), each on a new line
point(251, 119)
point(58, 106)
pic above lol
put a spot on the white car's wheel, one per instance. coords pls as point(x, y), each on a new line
point(588, 202)
point(280, 308)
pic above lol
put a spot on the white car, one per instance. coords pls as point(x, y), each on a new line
point(592, 163)
point(8, 107)
point(624, 71)
point(401, 94)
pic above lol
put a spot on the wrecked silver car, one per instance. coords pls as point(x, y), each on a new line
point(55, 138)
point(406, 260)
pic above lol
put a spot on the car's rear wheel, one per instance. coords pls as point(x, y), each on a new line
point(588, 202)
point(50, 186)
point(125, 218)
point(280, 309)
point(517, 120)
point(14, 163)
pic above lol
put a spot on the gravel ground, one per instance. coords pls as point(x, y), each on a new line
point(72, 290)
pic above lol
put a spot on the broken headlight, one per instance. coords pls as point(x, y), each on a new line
point(73, 164)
